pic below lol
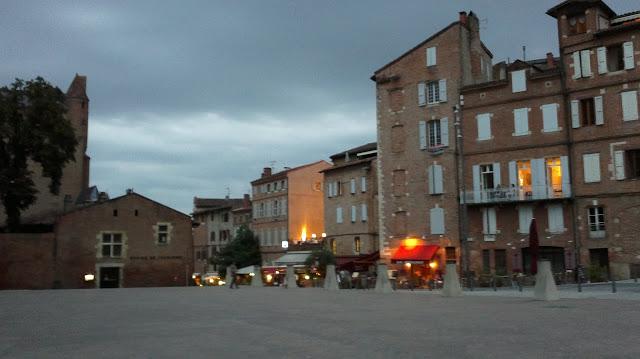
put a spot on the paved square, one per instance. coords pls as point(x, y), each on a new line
point(309, 323)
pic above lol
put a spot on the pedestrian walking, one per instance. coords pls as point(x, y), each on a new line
point(233, 270)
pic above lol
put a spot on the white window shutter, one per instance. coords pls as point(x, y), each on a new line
point(538, 178)
point(496, 175)
point(444, 131)
point(629, 62)
point(339, 215)
point(513, 174)
point(629, 105)
point(585, 59)
point(484, 126)
point(521, 121)
point(591, 163)
point(556, 218)
point(599, 110)
point(525, 214)
point(422, 95)
point(442, 86)
point(618, 161)
point(437, 179)
point(489, 220)
point(602, 60)
point(566, 177)
point(363, 184)
point(436, 216)
point(363, 214)
point(284, 207)
point(550, 117)
point(353, 185)
point(575, 114)
point(476, 183)
point(354, 213)
point(518, 81)
point(577, 67)
point(431, 179)
point(422, 134)
point(431, 56)
point(329, 190)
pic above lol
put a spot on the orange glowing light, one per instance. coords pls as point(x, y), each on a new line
point(433, 265)
point(410, 243)
point(303, 235)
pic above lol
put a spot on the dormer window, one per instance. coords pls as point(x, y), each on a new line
point(577, 24)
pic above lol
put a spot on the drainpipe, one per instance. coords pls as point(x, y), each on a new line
point(462, 218)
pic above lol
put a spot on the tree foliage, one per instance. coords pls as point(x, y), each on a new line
point(243, 250)
point(33, 128)
point(320, 258)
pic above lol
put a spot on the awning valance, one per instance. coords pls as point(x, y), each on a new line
point(419, 253)
point(292, 258)
point(248, 270)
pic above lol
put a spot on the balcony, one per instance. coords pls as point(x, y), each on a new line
point(517, 194)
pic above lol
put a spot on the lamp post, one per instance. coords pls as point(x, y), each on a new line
point(462, 222)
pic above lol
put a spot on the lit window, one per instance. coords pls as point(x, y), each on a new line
point(357, 245)
point(334, 246)
point(112, 245)
point(554, 173)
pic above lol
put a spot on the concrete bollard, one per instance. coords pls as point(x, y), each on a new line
point(330, 280)
point(256, 281)
point(227, 277)
point(382, 279)
point(545, 288)
point(291, 278)
point(452, 286)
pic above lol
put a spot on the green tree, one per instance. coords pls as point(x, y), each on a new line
point(243, 250)
point(322, 257)
point(33, 128)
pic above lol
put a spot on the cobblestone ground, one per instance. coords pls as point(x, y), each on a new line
point(309, 323)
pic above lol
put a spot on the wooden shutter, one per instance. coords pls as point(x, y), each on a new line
point(577, 68)
point(521, 121)
point(602, 60)
point(629, 105)
point(525, 214)
point(599, 110)
point(629, 62)
point(566, 176)
point(422, 95)
point(422, 134)
point(444, 131)
point(476, 183)
point(363, 212)
point(442, 88)
point(556, 218)
point(550, 117)
point(436, 216)
point(591, 163)
point(618, 162)
point(575, 114)
point(513, 174)
point(585, 61)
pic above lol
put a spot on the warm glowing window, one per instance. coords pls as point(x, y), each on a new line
point(524, 174)
point(554, 173)
point(334, 246)
point(357, 245)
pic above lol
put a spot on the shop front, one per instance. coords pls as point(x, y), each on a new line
point(416, 264)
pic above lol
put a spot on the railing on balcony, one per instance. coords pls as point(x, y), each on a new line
point(517, 194)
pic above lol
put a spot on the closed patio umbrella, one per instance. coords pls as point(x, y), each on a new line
point(534, 245)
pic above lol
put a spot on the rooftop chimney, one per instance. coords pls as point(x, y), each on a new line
point(129, 190)
point(246, 202)
point(266, 172)
point(551, 62)
point(463, 17)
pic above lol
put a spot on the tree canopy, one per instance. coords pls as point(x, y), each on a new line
point(243, 250)
point(33, 128)
point(320, 258)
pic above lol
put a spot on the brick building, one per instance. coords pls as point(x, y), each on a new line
point(216, 227)
point(288, 206)
point(554, 139)
point(351, 201)
point(75, 176)
point(128, 241)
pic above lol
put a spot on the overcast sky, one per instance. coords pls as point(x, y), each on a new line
point(189, 98)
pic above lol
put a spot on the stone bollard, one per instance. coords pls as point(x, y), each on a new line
point(382, 279)
point(330, 280)
point(452, 286)
point(227, 277)
point(256, 281)
point(545, 288)
point(291, 278)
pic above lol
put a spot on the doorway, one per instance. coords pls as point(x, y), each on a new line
point(109, 277)
point(553, 254)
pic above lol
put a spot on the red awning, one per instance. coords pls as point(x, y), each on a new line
point(419, 253)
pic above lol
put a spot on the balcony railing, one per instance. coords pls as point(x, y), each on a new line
point(517, 194)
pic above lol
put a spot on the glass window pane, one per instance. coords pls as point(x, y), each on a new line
point(106, 251)
point(117, 250)
point(117, 238)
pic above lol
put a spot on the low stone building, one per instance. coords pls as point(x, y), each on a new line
point(128, 241)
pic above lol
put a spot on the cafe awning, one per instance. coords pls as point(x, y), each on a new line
point(418, 253)
point(292, 258)
point(248, 270)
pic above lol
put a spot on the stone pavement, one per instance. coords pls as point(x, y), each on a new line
point(309, 323)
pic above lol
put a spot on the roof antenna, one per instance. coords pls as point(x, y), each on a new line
point(524, 53)
point(228, 192)
point(272, 164)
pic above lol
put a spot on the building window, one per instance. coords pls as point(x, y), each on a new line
point(581, 64)
point(450, 254)
point(357, 245)
point(577, 24)
point(111, 245)
point(163, 233)
point(633, 163)
point(363, 184)
point(431, 56)
point(500, 259)
point(212, 237)
point(550, 117)
point(274, 210)
point(596, 222)
point(521, 122)
point(486, 261)
point(587, 112)
point(435, 133)
point(484, 126)
point(275, 186)
point(486, 177)
point(524, 175)
point(519, 81)
point(554, 174)
point(354, 211)
point(225, 217)
point(283, 184)
point(268, 187)
point(525, 215)
point(489, 223)
point(363, 214)
point(115, 213)
point(334, 246)
point(339, 215)
point(135, 213)
point(433, 92)
point(591, 164)
point(615, 58)
point(353, 186)
point(629, 105)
